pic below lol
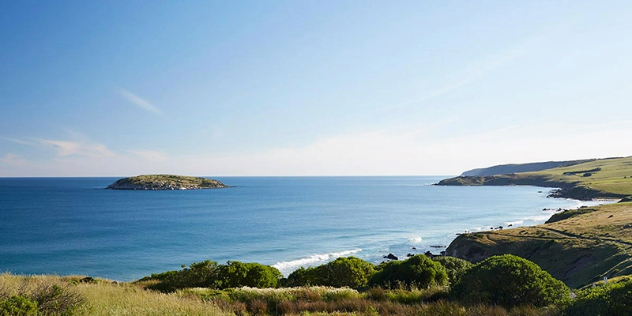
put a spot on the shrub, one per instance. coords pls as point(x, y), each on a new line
point(53, 299)
point(455, 267)
point(509, 281)
point(238, 274)
point(18, 305)
point(343, 272)
point(42, 299)
point(299, 277)
point(209, 274)
point(611, 299)
point(416, 271)
point(198, 274)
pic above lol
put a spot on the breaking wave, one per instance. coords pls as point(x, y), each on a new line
point(288, 266)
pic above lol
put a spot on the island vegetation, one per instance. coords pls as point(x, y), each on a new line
point(165, 182)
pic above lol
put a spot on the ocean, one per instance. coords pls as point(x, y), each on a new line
point(74, 226)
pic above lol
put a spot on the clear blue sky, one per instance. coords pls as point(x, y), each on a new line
point(117, 88)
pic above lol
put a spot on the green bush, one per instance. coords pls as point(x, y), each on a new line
point(416, 271)
point(455, 267)
point(42, 299)
point(211, 275)
point(509, 281)
point(345, 271)
point(237, 274)
point(300, 277)
point(612, 299)
point(198, 274)
point(18, 305)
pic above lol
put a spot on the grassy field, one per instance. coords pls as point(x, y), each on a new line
point(614, 175)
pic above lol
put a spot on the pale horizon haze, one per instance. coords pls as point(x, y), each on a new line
point(297, 88)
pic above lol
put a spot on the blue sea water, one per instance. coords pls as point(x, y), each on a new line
point(74, 226)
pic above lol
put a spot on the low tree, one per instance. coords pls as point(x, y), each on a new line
point(350, 272)
point(218, 276)
point(455, 267)
point(345, 271)
point(237, 274)
point(198, 274)
point(509, 281)
point(416, 271)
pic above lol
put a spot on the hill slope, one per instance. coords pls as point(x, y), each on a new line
point(602, 178)
point(576, 246)
point(524, 167)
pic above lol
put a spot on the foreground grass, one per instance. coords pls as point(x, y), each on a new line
point(102, 297)
point(345, 301)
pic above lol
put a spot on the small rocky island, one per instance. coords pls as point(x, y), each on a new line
point(165, 182)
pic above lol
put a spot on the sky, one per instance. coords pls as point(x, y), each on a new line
point(300, 88)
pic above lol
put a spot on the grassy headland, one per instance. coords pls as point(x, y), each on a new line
point(602, 178)
point(576, 246)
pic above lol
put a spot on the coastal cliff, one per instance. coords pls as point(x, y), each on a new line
point(576, 246)
point(165, 182)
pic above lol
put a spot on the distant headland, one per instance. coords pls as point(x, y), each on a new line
point(165, 182)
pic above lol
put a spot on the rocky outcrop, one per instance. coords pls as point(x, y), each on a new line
point(165, 182)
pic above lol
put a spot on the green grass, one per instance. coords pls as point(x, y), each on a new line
point(614, 176)
point(580, 247)
point(609, 178)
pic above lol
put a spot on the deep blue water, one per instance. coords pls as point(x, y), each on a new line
point(75, 226)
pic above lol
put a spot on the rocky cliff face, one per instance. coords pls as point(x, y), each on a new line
point(165, 182)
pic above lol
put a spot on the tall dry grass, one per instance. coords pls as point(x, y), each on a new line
point(103, 297)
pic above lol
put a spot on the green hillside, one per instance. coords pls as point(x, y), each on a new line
point(602, 178)
point(576, 246)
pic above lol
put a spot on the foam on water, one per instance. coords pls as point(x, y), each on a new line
point(287, 267)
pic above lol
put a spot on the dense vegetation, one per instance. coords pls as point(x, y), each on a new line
point(209, 274)
point(417, 271)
